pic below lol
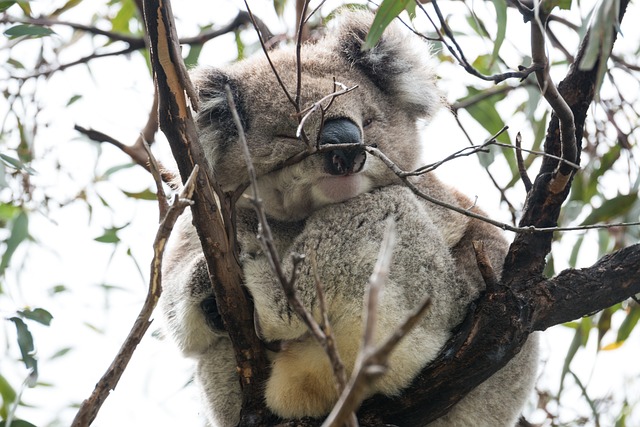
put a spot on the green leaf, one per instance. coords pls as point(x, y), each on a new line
point(483, 64)
point(15, 63)
point(142, 195)
point(17, 164)
point(31, 31)
point(549, 5)
point(25, 343)
point(73, 99)
point(67, 6)
point(239, 46)
point(485, 113)
point(573, 259)
point(8, 394)
point(501, 17)
point(57, 289)
point(4, 5)
point(580, 339)
point(120, 22)
point(604, 323)
point(604, 22)
point(387, 11)
point(611, 209)
point(628, 323)
point(60, 353)
point(115, 169)
point(278, 6)
point(191, 60)
point(8, 212)
point(19, 233)
point(39, 315)
point(110, 235)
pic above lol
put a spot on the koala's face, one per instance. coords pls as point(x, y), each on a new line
point(395, 87)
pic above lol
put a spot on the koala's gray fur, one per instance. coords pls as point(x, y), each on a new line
point(340, 218)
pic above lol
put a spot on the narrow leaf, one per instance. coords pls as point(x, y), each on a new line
point(629, 323)
point(32, 31)
point(39, 315)
point(501, 20)
point(19, 233)
point(387, 11)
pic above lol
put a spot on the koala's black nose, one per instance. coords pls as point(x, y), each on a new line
point(343, 161)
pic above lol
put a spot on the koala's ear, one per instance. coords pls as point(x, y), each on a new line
point(398, 64)
point(215, 113)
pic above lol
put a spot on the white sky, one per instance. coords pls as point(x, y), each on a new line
point(116, 100)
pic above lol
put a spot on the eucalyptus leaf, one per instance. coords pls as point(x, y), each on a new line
point(386, 13)
point(30, 31)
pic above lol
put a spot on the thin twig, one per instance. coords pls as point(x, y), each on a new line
point(331, 349)
point(372, 359)
point(90, 407)
point(136, 152)
point(567, 124)
point(304, 114)
point(486, 269)
point(133, 43)
point(521, 167)
point(266, 53)
point(163, 204)
point(459, 55)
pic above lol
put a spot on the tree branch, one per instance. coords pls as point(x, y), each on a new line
point(90, 407)
point(212, 220)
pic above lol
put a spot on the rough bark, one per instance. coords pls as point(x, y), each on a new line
point(211, 219)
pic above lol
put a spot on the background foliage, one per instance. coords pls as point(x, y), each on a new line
point(77, 217)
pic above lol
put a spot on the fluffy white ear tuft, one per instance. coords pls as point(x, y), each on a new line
point(398, 64)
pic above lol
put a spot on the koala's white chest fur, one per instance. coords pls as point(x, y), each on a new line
point(335, 205)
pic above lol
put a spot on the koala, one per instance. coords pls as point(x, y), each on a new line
point(334, 205)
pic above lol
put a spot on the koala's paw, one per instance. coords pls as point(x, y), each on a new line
point(190, 308)
point(301, 385)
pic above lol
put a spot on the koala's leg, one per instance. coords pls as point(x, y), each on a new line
point(194, 322)
point(217, 379)
point(499, 400)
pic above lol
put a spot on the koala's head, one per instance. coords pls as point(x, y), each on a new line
point(395, 88)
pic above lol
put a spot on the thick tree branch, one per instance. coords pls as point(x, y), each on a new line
point(213, 220)
point(612, 279)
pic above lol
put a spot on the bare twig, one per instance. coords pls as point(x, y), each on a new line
point(332, 351)
point(521, 167)
point(261, 38)
point(90, 407)
point(135, 151)
point(45, 22)
point(458, 54)
point(163, 204)
point(372, 360)
point(304, 114)
point(561, 175)
point(133, 43)
point(485, 267)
